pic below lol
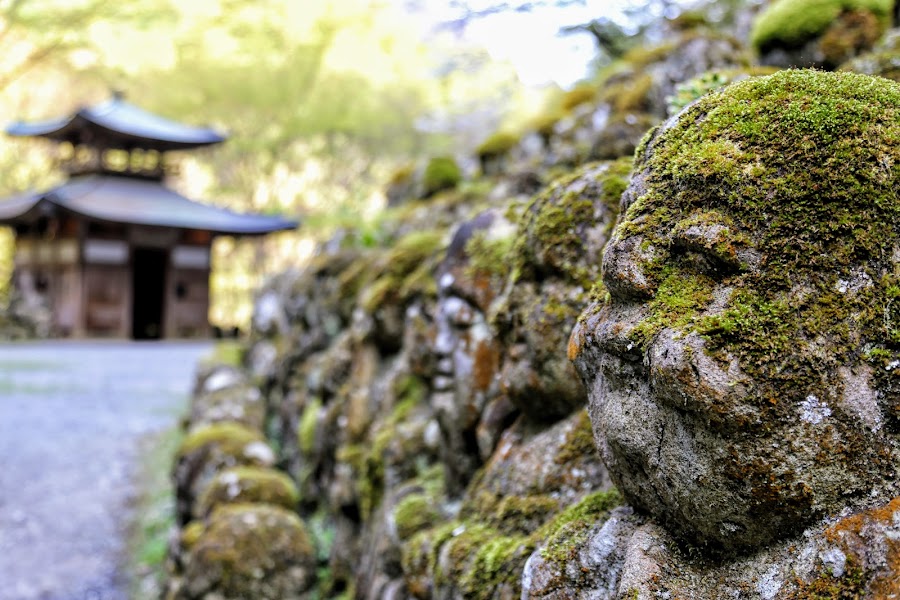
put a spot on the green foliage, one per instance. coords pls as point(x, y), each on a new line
point(578, 95)
point(441, 173)
point(793, 22)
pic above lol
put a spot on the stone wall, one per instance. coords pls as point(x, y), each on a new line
point(409, 421)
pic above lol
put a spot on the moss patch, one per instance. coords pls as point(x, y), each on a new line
point(230, 437)
point(563, 536)
point(552, 225)
point(497, 144)
point(414, 513)
point(309, 420)
point(772, 153)
point(403, 271)
point(249, 484)
point(252, 551)
point(790, 23)
point(441, 173)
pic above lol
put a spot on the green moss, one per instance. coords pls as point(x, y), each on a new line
point(226, 352)
point(402, 175)
point(579, 441)
point(522, 514)
point(563, 536)
point(805, 165)
point(497, 144)
point(410, 388)
point(414, 513)
point(641, 56)
point(249, 484)
point(498, 562)
point(790, 23)
point(551, 226)
point(545, 122)
point(489, 254)
point(403, 271)
point(191, 533)
point(231, 437)
point(306, 430)
point(484, 557)
point(244, 546)
point(419, 556)
point(675, 304)
point(850, 586)
point(441, 173)
point(481, 561)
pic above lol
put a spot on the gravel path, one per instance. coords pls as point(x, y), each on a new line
point(71, 416)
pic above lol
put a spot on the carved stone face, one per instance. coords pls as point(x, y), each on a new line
point(740, 373)
point(466, 351)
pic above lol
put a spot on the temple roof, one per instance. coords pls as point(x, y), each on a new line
point(118, 124)
point(137, 202)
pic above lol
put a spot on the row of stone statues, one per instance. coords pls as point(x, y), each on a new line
point(725, 306)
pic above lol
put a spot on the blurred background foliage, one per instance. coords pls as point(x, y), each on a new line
point(323, 101)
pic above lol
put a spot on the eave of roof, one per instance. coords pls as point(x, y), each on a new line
point(137, 202)
point(123, 124)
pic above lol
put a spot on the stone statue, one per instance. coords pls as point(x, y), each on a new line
point(742, 372)
point(561, 234)
point(466, 350)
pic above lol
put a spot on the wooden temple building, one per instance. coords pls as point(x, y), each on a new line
point(112, 251)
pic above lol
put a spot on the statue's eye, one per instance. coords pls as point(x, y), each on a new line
point(710, 247)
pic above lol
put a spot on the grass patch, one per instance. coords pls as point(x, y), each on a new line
point(154, 515)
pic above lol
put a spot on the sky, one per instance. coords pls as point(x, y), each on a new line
point(530, 41)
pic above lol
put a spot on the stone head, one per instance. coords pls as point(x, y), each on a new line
point(556, 259)
point(742, 370)
point(465, 349)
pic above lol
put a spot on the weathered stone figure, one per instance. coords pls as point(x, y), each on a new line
point(560, 237)
point(465, 349)
point(743, 372)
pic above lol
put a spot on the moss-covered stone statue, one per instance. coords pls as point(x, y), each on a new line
point(742, 372)
point(243, 551)
point(465, 387)
point(556, 259)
